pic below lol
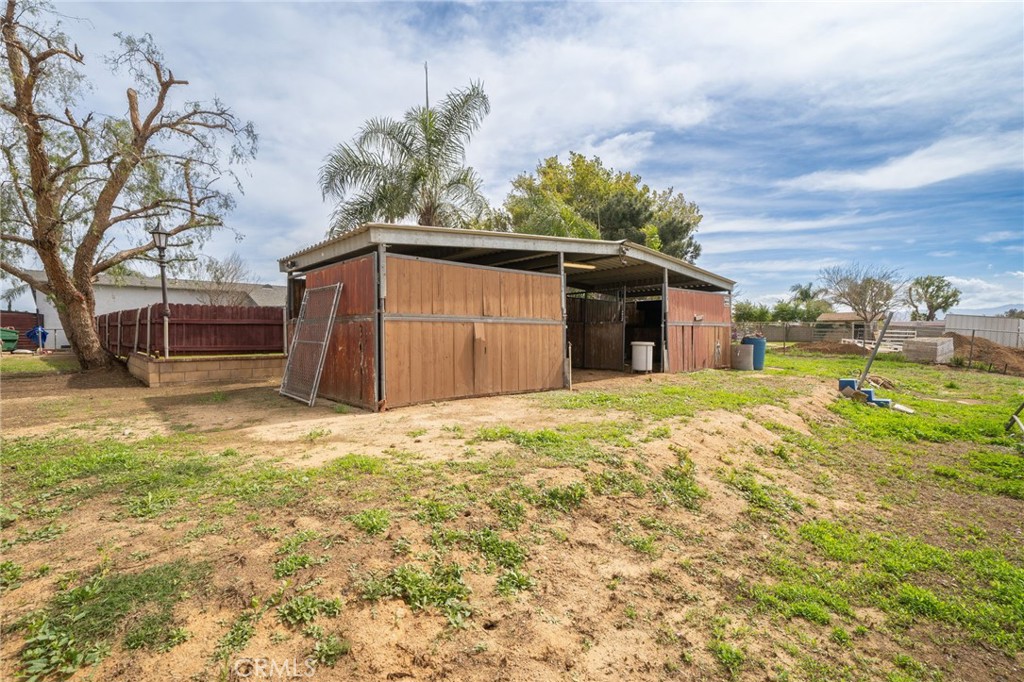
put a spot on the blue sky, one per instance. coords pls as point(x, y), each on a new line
point(809, 134)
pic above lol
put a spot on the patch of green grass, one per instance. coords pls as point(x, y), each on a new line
point(79, 624)
point(977, 591)
point(372, 521)
point(617, 482)
point(511, 513)
point(432, 511)
point(442, 587)
point(350, 467)
point(293, 563)
point(562, 444)
point(643, 544)
point(793, 600)
point(38, 364)
point(698, 392)
point(731, 658)
point(678, 484)
point(765, 497)
point(416, 433)
point(562, 498)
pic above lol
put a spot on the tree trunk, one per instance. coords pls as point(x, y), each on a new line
point(76, 316)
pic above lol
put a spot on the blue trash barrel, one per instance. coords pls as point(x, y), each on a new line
point(37, 335)
point(760, 346)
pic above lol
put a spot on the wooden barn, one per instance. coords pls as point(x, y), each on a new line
point(428, 313)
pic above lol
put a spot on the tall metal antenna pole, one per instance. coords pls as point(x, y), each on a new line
point(426, 84)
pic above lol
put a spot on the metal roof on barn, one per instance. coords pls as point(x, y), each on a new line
point(590, 264)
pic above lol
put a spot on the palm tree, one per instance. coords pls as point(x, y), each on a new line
point(414, 167)
point(805, 293)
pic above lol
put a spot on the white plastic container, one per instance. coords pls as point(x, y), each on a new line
point(643, 356)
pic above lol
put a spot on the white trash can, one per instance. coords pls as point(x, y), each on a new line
point(643, 356)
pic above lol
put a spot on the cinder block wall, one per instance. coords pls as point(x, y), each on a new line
point(158, 372)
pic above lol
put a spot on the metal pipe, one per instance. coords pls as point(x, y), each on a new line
point(874, 351)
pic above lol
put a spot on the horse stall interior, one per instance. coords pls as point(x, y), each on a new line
point(429, 314)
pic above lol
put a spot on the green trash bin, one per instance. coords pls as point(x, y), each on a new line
point(10, 339)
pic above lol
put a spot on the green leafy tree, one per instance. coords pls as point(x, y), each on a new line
point(410, 169)
point(786, 311)
point(84, 189)
point(747, 313)
point(1014, 313)
point(805, 293)
point(930, 295)
point(582, 198)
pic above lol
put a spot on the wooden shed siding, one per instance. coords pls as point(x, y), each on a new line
point(692, 343)
point(454, 331)
point(350, 366)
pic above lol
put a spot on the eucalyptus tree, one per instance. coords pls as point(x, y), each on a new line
point(410, 169)
point(83, 189)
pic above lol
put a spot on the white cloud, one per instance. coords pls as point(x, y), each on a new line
point(1002, 236)
point(942, 254)
point(626, 150)
point(944, 160)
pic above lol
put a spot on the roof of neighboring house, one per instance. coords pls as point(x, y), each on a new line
point(590, 264)
point(840, 317)
point(259, 294)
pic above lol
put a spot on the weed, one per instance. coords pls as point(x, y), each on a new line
point(372, 521)
point(435, 511)
point(10, 572)
point(512, 581)
point(313, 435)
point(79, 624)
point(304, 609)
point(456, 430)
point(293, 563)
point(416, 433)
point(341, 408)
point(678, 484)
point(563, 498)
point(773, 499)
point(728, 656)
point(442, 588)
point(328, 650)
point(238, 635)
point(510, 513)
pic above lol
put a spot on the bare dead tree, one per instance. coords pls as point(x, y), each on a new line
point(224, 282)
point(84, 189)
point(868, 290)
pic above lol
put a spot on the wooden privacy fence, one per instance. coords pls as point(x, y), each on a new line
point(193, 330)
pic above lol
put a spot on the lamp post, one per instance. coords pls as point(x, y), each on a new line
point(160, 239)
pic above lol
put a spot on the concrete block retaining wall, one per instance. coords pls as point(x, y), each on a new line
point(212, 369)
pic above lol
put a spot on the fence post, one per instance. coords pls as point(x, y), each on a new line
point(135, 343)
point(149, 331)
point(970, 358)
point(119, 333)
point(167, 332)
point(284, 330)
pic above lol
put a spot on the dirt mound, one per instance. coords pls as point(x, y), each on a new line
point(828, 348)
point(988, 354)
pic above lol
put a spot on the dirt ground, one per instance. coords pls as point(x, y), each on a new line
point(598, 611)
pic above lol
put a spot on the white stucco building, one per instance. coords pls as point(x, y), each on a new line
point(135, 291)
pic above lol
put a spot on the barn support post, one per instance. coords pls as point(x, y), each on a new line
point(566, 353)
point(622, 320)
point(284, 325)
point(382, 293)
point(664, 321)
